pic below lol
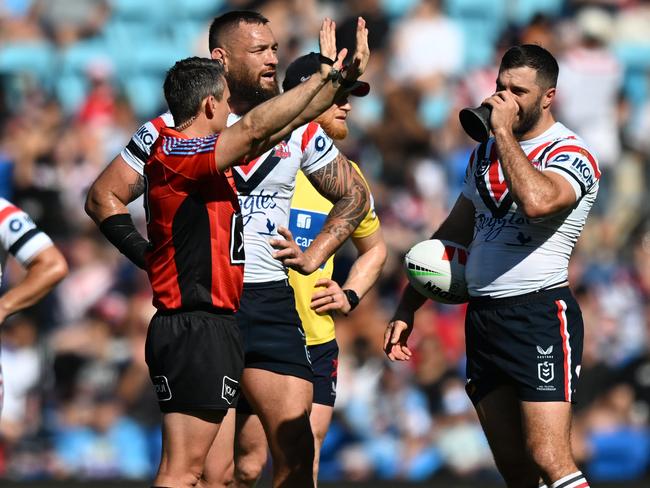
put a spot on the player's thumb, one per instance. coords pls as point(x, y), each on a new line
point(397, 332)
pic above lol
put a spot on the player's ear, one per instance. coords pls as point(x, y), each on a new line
point(219, 54)
point(548, 98)
point(209, 107)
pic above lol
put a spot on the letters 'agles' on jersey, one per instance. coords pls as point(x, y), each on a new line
point(194, 226)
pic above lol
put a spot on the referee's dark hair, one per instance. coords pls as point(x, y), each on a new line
point(224, 23)
point(532, 56)
point(189, 82)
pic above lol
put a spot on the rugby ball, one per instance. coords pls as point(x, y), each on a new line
point(436, 269)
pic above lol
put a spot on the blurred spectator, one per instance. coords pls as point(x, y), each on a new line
point(428, 46)
point(588, 88)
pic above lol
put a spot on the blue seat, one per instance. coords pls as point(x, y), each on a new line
point(145, 93)
point(482, 22)
point(34, 58)
point(72, 78)
point(199, 10)
point(396, 9)
point(522, 11)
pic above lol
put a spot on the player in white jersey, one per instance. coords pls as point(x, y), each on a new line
point(525, 200)
point(35, 251)
point(277, 376)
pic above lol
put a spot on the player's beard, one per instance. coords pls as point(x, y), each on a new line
point(528, 119)
point(337, 131)
point(245, 87)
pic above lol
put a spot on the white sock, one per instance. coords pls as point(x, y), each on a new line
point(574, 480)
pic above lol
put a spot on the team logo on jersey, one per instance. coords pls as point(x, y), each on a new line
point(229, 389)
point(491, 183)
point(546, 371)
point(282, 150)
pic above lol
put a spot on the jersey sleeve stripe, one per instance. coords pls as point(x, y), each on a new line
point(308, 135)
point(578, 150)
point(20, 242)
point(7, 211)
point(324, 153)
point(32, 247)
point(536, 151)
point(136, 151)
point(574, 177)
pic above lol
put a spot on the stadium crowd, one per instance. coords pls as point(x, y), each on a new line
point(77, 77)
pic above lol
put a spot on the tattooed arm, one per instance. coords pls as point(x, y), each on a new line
point(116, 187)
point(106, 202)
point(345, 188)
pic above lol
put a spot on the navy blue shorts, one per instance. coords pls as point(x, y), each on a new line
point(272, 333)
point(324, 361)
point(532, 342)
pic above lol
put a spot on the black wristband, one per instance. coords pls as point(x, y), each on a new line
point(345, 83)
point(121, 232)
point(325, 60)
point(353, 298)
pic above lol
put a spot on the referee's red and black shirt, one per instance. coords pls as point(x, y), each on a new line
point(196, 259)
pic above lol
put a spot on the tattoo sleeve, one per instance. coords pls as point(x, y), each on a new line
point(136, 189)
point(342, 185)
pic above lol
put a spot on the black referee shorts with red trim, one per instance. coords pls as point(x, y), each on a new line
point(532, 342)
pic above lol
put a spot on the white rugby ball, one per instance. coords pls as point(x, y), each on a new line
point(436, 269)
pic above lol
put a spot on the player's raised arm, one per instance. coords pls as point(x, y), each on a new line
point(265, 125)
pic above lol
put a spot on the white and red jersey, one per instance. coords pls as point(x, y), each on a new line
point(265, 186)
point(511, 254)
point(19, 235)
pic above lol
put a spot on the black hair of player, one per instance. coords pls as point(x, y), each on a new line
point(189, 82)
point(535, 57)
point(224, 23)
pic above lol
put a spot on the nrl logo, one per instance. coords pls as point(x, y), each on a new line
point(546, 371)
point(544, 352)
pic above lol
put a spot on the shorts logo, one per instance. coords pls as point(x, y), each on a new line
point(546, 371)
point(162, 389)
point(546, 352)
point(229, 389)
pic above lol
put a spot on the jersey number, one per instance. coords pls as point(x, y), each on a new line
point(237, 239)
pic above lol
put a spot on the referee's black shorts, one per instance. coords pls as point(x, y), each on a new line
point(272, 333)
point(195, 360)
point(532, 342)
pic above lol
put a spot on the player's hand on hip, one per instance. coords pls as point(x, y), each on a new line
point(327, 43)
point(329, 298)
point(395, 337)
point(290, 254)
point(504, 110)
point(361, 53)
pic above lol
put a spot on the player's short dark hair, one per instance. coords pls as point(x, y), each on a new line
point(532, 56)
point(189, 82)
point(224, 23)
